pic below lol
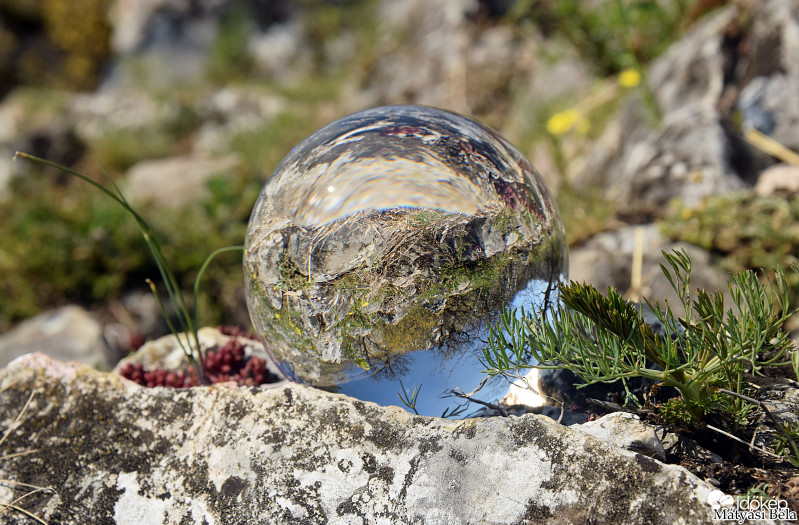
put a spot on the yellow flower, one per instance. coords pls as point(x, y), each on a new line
point(629, 78)
point(563, 122)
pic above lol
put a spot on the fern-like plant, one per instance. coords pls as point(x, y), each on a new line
point(605, 338)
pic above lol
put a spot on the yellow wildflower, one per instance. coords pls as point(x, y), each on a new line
point(563, 122)
point(629, 78)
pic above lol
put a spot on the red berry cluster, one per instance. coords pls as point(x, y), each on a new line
point(158, 377)
point(226, 364)
point(236, 331)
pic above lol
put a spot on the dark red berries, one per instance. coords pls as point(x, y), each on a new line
point(228, 363)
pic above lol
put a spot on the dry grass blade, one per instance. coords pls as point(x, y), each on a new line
point(17, 420)
point(6, 506)
point(771, 146)
point(18, 454)
point(636, 273)
point(26, 485)
point(750, 445)
point(33, 488)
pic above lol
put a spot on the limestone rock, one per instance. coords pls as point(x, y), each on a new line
point(782, 179)
point(171, 41)
point(626, 431)
point(113, 111)
point(69, 333)
point(281, 51)
point(688, 158)
point(432, 52)
point(769, 98)
point(230, 112)
point(736, 70)
point(118, 453)
point(679, 444)
point(687, 155)
point(175, 181)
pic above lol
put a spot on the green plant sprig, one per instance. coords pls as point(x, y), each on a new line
point(605, 338)
point(187, 318)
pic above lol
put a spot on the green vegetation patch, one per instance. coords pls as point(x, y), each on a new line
point(743, 230)
point(66, 243)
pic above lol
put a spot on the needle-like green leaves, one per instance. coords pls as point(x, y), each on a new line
point(604, 338)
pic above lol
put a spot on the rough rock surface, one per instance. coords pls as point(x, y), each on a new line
point(626, 431)
point(69, 333)
point(118, 453)
point(733, 72)
point(176, 181)
point(782, 179)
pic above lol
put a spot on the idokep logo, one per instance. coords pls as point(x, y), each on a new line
point(727, 508)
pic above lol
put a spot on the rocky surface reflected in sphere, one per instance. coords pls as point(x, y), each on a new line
point(386, 243)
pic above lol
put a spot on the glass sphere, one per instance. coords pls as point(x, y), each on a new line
point(385, 245)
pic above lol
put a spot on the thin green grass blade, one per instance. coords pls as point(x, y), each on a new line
point(186, 319)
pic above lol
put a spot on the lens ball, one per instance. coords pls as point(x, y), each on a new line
point(385, 245)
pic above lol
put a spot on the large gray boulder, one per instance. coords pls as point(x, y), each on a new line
point(115, 452)
point(734, 72)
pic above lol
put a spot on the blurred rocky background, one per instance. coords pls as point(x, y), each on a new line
point(657, 123)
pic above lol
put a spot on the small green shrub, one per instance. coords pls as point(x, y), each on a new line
point(605, 338)
point(786, 441)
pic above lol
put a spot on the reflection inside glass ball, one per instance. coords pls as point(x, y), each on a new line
point(387, 243)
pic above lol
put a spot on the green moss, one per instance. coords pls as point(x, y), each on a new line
point(745, 230)
point(412, 333)
point(480, 274)
point(506, 220)
point(291, 277)
point(229, 58)
point(56, 242)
